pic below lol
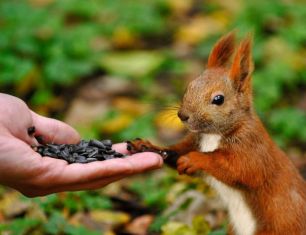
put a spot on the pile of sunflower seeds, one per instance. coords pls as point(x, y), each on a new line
point(84, 152)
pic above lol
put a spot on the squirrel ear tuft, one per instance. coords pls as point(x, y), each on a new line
point(242, 66)
point(222, 51)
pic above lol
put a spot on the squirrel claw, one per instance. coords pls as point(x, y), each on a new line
point(143, 148)
point(138, 145)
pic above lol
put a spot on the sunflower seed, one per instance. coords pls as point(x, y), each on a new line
point(83, 152)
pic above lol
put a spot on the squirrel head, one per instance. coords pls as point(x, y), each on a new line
point(221, 98)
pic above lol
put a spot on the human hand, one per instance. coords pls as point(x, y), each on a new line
point(26, 171)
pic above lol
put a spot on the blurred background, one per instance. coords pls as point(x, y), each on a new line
point(117, 69)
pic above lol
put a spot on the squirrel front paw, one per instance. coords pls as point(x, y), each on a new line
point(185, 165)
point(138, 145)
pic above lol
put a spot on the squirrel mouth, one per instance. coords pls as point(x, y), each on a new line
point(192, 129)
point(197, 129)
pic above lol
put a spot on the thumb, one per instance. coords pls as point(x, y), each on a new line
point(54, 131)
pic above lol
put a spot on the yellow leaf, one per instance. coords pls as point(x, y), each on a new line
point(201, 27)
point(199, 225)
point(36, 212)
point(139, 225)
point(180, 7)
point(136, 64)
point(109, 217)
point(176, 228)
point(116, 124)
point(123, 38)
point(11, 204)
point(77, 218)
point(131, 106)
point(109, 233)
point(231, 6)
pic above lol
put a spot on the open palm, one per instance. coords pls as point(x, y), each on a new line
point(26, 171)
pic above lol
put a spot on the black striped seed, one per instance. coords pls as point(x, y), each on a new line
point(83, 152)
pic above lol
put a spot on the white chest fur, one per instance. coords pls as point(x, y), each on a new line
point(209, 142)
point(239, 212)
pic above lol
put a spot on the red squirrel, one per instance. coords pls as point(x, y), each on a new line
point(261, 188)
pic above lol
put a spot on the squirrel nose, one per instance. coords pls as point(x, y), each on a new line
point(182, 116)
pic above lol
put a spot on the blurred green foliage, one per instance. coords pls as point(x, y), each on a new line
point(49, 47)
point(71, 201)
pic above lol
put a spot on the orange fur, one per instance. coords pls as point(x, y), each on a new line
point(222, 52)
point(242, 66)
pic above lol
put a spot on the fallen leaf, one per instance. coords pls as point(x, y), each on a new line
point(77, 218)
point(176, 228)
point(116, 124)
point(232, 6)
point(199, 225)
point(36, 212)
point(199, 28)
point(109, 217)
point(131, 106)
point(83, 112)
point(123, 38)
point(104, 87)
point(11, 204)
point(109, 233)
point(139, 225)
point(132, 64)
point(180, 7)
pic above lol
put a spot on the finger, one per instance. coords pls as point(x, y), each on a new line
point(57, 174)
point(97, 184)
point(121, 148)
point(54, 131)
point(134, 164)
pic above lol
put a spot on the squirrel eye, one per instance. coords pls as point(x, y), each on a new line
point(218, 100)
